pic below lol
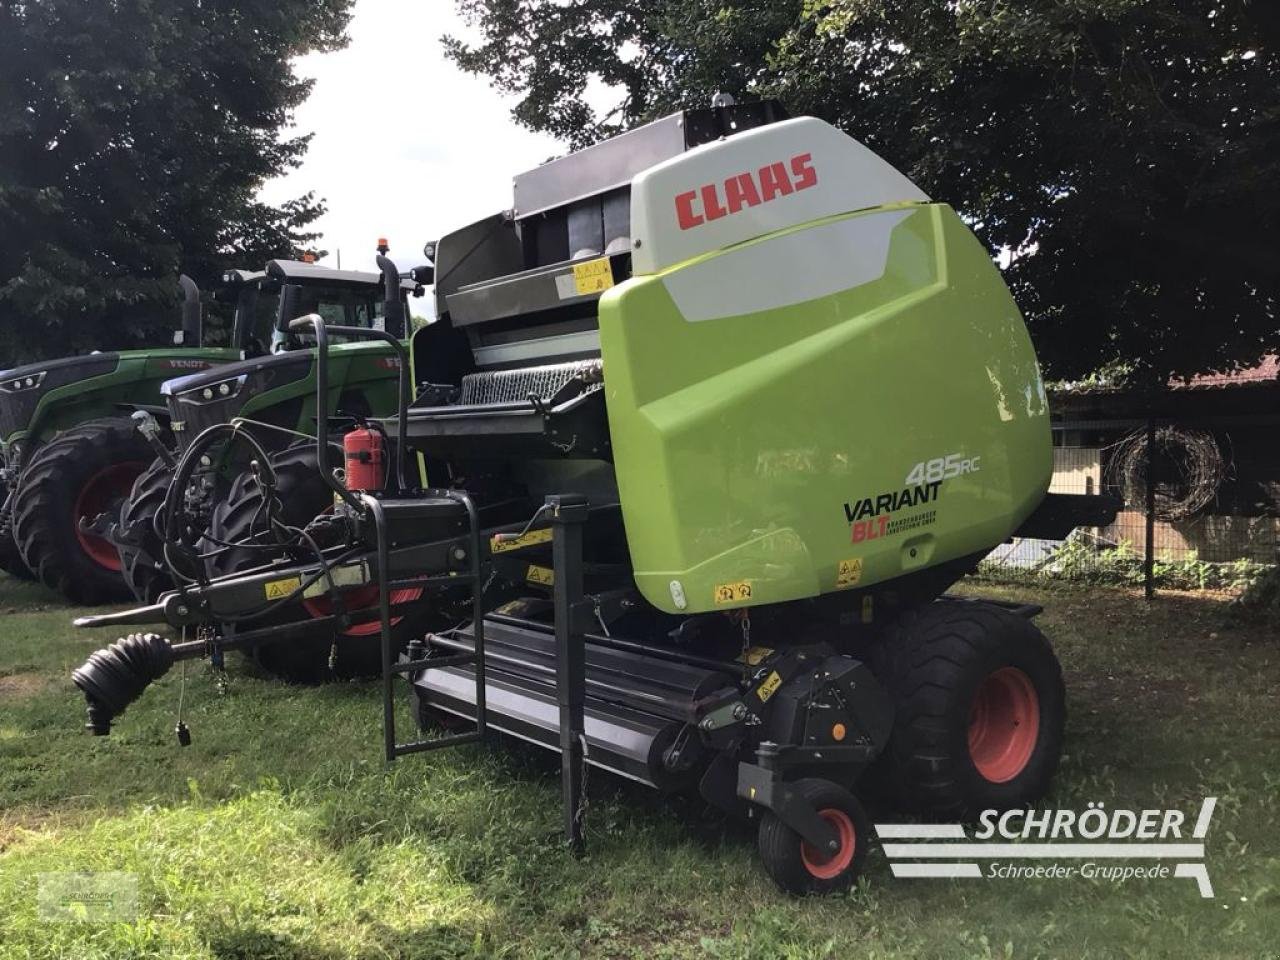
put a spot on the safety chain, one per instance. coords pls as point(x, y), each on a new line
point(580, 815)
point(207, 635)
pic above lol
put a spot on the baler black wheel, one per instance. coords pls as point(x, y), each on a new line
point(80, 474)
point(303, 496)
point(796, 866)
point(979, 710)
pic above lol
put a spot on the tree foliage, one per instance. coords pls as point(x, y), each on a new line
point(134, 135)
point(1122, 155)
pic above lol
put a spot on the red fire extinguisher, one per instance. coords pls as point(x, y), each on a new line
point(365, 458)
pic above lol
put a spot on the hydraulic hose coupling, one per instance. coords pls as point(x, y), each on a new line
point(365, 456)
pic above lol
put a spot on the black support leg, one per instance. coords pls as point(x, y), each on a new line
point(569, 513)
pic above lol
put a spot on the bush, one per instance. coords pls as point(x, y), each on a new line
point(1080, 559)
point(1261, 599)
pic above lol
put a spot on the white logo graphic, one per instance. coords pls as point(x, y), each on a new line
point(1111, 837)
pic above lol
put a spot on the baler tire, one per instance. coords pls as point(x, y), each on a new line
point(303, 496)
point(980, 710)
point(794, 866)
point(140, 510)
point(80, 471)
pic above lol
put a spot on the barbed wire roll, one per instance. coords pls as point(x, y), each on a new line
point(1189, 472)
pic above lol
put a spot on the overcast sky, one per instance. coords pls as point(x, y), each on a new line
point(406, 146)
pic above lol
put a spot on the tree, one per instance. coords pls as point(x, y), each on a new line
point(1122, 155)
point(134, 135)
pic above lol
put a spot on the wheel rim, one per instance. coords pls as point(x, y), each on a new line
point(1004, 724)
point(100, 493)
point(364, 598)
point(828, 868)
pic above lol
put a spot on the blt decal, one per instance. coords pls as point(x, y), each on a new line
point(712, 201)
point(869, 517)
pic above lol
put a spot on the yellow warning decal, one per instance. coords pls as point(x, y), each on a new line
point(543, 575)
point(769, 687)
point(532, 538)
point(848, 572)
point(278, 589)
point(592, 276)
point(753, 656)
point(733, 592)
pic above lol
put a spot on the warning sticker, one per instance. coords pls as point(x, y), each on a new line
point(769, 687)
point(348, 575)
point(592, 276)
point(733, 592)
point(544, 575)
point(532, 538)
point(279, 589)
point(848, 572)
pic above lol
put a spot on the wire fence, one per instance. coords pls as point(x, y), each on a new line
point(1201, 503)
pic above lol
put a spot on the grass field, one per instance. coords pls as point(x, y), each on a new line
point(280, 833)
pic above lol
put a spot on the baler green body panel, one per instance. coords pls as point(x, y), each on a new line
point(832, 443)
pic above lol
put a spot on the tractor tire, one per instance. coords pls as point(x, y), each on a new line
point(979, 708)
point(83, 472)
point(799, 869)
point(11, 561)
point(303, 496)
point(142, 559)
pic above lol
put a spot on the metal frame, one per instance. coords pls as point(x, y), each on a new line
point(391, 667)
point(568, 516)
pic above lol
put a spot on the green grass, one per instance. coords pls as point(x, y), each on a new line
point(280, 833)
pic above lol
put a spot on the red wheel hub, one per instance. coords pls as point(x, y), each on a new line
point(362, 598)
point(825, 867)
point(101, 493)
point(1004, 724)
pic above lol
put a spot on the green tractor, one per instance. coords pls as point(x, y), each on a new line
point(86, 400)
point(72, 449)
point(271, 397)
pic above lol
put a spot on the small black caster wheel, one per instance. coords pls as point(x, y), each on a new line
point(798, 867)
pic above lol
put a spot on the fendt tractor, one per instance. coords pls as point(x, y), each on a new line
point(707, 426)
point(71, 450)
point(41, 400)
point(272, 396)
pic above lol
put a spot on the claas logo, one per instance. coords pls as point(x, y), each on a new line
point(712, 201)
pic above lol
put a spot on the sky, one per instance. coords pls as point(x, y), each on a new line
point(406, 146)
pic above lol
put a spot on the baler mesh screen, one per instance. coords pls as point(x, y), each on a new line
point(510, 386)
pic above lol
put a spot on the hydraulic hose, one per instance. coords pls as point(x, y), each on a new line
point(183, 472)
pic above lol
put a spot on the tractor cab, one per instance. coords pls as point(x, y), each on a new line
point(345, 297)
point(266, 300)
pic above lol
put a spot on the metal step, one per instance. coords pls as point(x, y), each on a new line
point(636, 704)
